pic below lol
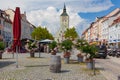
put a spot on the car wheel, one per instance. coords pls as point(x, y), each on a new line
point(117, 56)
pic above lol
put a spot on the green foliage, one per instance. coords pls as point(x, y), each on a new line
point(67, 44)
point(71, 33)
point(32, 45)
point(84, 46)
point(80, 43)
point(2, 45)
point(53, 45)
point(40, 33)
point(89, 49)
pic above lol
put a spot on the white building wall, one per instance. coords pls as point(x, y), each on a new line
point(5, 28)
point(64, 25)
point(7, 31)
point(117, 32)
point(114, 33)
point(11, 13)
point(25, 25)
point(105, 26)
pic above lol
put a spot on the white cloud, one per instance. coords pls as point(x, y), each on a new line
point(5, 4)
point(75, 5)
point(47, 12)
point(90, 5)
point(48, 17)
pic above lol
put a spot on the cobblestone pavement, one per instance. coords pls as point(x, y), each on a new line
point(110, 67)
point(38, 69)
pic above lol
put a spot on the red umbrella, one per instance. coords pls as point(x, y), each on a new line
point(16, 33)
point(16, 29)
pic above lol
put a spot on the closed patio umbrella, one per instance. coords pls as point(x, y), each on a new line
point(16, 32)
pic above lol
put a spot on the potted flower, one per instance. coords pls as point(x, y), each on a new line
point(79, 44)
point(31, 48)
point(53, 46)
point(66, 47)
point(2, 47)
point(80, 57)
point(90, 51)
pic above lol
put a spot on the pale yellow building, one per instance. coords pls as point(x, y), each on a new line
point(64, 24)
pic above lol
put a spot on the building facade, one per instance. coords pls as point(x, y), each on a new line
point(26, 26)
point(103, 31)
point(114, 33)
point(64, 24)
point(5, 27)
point(108, 19)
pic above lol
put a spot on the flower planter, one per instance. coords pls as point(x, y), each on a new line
point(80, 59)
point(84, 58)
point(1, 52)
point(32, 54)
point(53, 52)
point(0, 55)
point(90, 64)
point(66, 60)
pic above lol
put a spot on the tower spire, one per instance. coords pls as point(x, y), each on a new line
point(64, 11)
point(64, 6)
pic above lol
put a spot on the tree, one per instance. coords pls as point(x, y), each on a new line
point(80, 43)
point(40, 33)
point(53, 45)
point(2, 45)
point(71, 33)
point(66, 44)
point(89, 49)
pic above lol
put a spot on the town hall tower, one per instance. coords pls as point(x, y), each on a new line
point(64, 24)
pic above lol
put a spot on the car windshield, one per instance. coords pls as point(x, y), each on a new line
point(101, 48)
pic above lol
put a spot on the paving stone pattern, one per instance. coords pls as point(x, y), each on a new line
point(38, 69)
point(111, 67)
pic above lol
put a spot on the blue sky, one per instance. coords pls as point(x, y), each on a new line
point(46, 13)
point(92, 15)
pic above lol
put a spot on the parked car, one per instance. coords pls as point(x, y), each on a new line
point(102, 52)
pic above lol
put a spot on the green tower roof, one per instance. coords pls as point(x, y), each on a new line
point(64, 11)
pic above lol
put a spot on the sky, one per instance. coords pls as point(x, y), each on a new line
point(46, 13)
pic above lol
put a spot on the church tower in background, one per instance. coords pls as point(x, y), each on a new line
point(64, 24)
point(64, 19)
